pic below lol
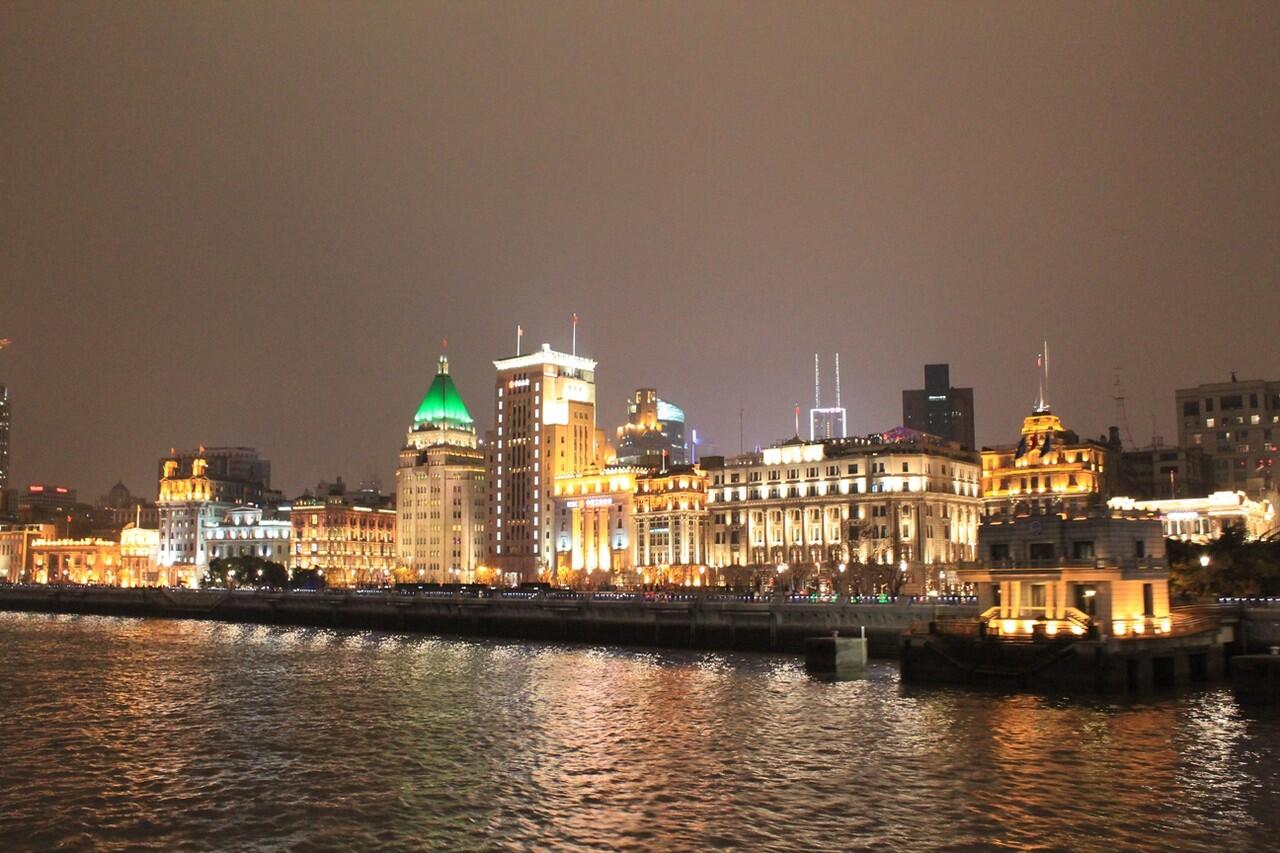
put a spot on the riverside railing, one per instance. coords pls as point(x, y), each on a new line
point(547, 595)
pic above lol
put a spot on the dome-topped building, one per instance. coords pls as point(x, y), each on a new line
point(440, 489)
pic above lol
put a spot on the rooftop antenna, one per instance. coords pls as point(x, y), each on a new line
point(519, 337)
point(1121, 416)
point(797, 420)
point(575, 333)
point(817, 384)
point(817, 400)
point(837, 380)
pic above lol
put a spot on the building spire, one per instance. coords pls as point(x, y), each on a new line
point(1042, 365)
point(838, 381)
point(817, 384)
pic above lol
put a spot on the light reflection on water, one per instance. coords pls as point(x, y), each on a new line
point(120, 734)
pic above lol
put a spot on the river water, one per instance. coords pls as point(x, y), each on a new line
point(147, 734)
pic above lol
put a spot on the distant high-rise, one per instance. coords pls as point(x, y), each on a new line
point(940, 409)
point(825, 421)
point(4, 438)
point(1237, 424)
point(544, 427)
point(653, 426)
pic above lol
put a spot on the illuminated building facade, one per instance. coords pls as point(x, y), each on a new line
point(195, 495)
point(1237, 425)
point(595, 526)
point(353, 545)
point(246, 532)
point(140, 558)
point(940, 409)
point(1204, 519)
point(16, 556)
point(544, 428)
point(441, 487)
point(78, 561)
point(1098, 570)
point(240, 465)
point(1049, 469)
point(672, 526)
point(898, 498)
point(653, 433)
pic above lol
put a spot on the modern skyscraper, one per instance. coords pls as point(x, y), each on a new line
point(1237, 424)
point(825, 421)
point(440, 489)
point(544, 427)
point(940, 409)
point(653, 426)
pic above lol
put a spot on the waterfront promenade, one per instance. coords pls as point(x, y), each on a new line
point(700, 619)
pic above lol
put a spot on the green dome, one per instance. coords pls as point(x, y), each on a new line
point(443, 408)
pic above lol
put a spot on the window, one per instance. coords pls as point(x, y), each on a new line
point(1191, 408)
point(1082, 550)
point(1000, 551)
point(1139, 549)
point(1041, 550)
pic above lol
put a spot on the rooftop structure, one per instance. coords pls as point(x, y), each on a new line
point(654, 433)
point(940, 409)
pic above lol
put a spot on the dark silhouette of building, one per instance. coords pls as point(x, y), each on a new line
point(939, 409)
point(56, 505)
point(1155, 473)
point(654, 427)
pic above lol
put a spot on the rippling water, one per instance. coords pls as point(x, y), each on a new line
point(118, 733)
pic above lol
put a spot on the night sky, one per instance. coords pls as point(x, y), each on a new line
point(253, 223)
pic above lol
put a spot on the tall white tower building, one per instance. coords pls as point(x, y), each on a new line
point(544, 427)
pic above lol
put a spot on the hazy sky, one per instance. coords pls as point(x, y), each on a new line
point(253, 223)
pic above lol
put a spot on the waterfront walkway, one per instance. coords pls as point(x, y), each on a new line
point(699, 618)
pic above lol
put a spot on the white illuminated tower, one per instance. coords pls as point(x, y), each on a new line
point(544, 427)
point(825, 421)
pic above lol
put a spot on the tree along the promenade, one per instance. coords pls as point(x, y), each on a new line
point(246, 571)
point(1235, 568)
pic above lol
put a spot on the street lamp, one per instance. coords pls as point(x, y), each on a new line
point(1204, 561)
